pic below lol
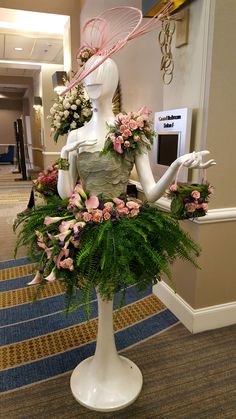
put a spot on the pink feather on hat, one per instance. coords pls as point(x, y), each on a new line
point(108, 33)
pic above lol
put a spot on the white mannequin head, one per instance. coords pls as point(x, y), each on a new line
point(103, 81)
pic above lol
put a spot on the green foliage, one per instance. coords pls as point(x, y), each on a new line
point(112, 255)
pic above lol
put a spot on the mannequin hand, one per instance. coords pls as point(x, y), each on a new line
point(194, 160)
point(77, 144)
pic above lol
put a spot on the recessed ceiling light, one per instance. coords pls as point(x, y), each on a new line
point(18, 49)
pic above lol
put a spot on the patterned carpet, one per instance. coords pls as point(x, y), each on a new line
point(39, 341)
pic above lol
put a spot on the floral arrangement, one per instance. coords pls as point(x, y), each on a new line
point(86, 53)
point(46, 182)
point(130, 132)
point(69, 112)
point(88, 242)
point(61, 235)
point(189, 200)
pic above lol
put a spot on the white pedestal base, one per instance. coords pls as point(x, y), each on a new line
point(108, 390)
point(106, 381)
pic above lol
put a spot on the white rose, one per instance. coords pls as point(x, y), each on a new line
point(57, 118)
point(76, 116)
point(61, 113)
point(52, 129)
point(86, 111)
point(78, 101)
point(58, 124)
point(67, 105)
point(74, 107)
point(52, 111)
point(55, 106)
point(66, 113)
point(73, 125)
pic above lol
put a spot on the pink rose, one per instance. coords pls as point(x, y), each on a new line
point(67, 264)
point(108, 206)
point(195, 194)
point(127, 133)
point(106, 215)
point(97, 216)
point(132, 205)
point(205, 207)
point(123, 128)
point(127, 144)
point(125, 120)
point(119, 202)
point(87, 216)
point(123, 211)
point(133, 124)
point(134, 212)
point(85, 54)
point(190, 207)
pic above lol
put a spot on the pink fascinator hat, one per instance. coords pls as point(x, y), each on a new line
point(107, 33)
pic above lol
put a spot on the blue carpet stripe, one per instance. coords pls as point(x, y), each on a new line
point(14, 262)
point(66, 361)
point(17, 283)
point(28, 311)
point(56, 321)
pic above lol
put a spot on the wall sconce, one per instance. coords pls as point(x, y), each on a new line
point(37, 105)
point(58, 81)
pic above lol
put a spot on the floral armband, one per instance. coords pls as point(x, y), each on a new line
point(63, 164)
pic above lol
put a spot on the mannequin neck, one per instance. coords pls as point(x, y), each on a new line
point(102, 109)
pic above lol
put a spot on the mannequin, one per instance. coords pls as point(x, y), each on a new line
point(101, 85)
point(107, 381)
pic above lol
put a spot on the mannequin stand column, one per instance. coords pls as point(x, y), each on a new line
point(106, 381)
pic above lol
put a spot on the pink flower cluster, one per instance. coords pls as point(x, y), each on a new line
point(195, 202)
point(86, 53)
point(130, 129)
point(58, 243)
point(46, 181)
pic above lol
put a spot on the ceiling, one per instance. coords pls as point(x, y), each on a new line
point(34, 49)
point(40, 39)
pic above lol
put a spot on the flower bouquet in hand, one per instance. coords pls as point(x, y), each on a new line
point(129, 133)
point(46, 182)
point(69, 112)
point(189, 200)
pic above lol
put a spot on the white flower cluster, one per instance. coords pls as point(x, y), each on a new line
point(69, 112)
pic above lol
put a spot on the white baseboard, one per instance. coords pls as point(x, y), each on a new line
point(196, 320)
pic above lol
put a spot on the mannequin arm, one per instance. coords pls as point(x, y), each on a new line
point(67, 179)
point(154, 190)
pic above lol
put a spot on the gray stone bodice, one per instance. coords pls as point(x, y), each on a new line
point(104, 174)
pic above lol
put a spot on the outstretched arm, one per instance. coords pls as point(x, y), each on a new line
point(154, 190)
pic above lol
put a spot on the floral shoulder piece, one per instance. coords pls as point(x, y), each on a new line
point(131, 132)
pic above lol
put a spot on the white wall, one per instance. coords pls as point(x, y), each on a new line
point(138, 61)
